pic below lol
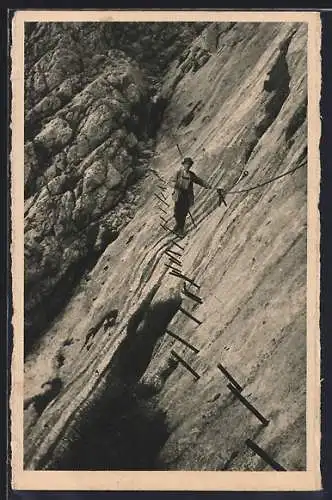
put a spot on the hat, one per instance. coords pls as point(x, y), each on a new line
point(187, 160)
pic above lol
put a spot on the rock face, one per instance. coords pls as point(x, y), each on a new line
point(86, 129)
point(236, 101)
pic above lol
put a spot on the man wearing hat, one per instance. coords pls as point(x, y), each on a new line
point(183, 194)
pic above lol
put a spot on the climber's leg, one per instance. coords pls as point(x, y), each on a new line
point(177, 214)
point(181, 209)
point(184, 215)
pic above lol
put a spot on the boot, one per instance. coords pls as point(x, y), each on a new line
point(180, 232)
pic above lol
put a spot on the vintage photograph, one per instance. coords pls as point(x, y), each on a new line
point(166, 245)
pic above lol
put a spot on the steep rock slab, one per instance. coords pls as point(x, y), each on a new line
point(249, 260)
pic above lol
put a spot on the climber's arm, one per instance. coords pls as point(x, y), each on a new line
point(206, 185)
point(200, 182)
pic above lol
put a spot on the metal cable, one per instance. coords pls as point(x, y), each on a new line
point(268, 181)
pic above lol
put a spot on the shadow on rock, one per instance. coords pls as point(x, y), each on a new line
point(51, 389)
point(127, 434)
point(123, 429)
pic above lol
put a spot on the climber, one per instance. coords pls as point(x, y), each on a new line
point(183, 194)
